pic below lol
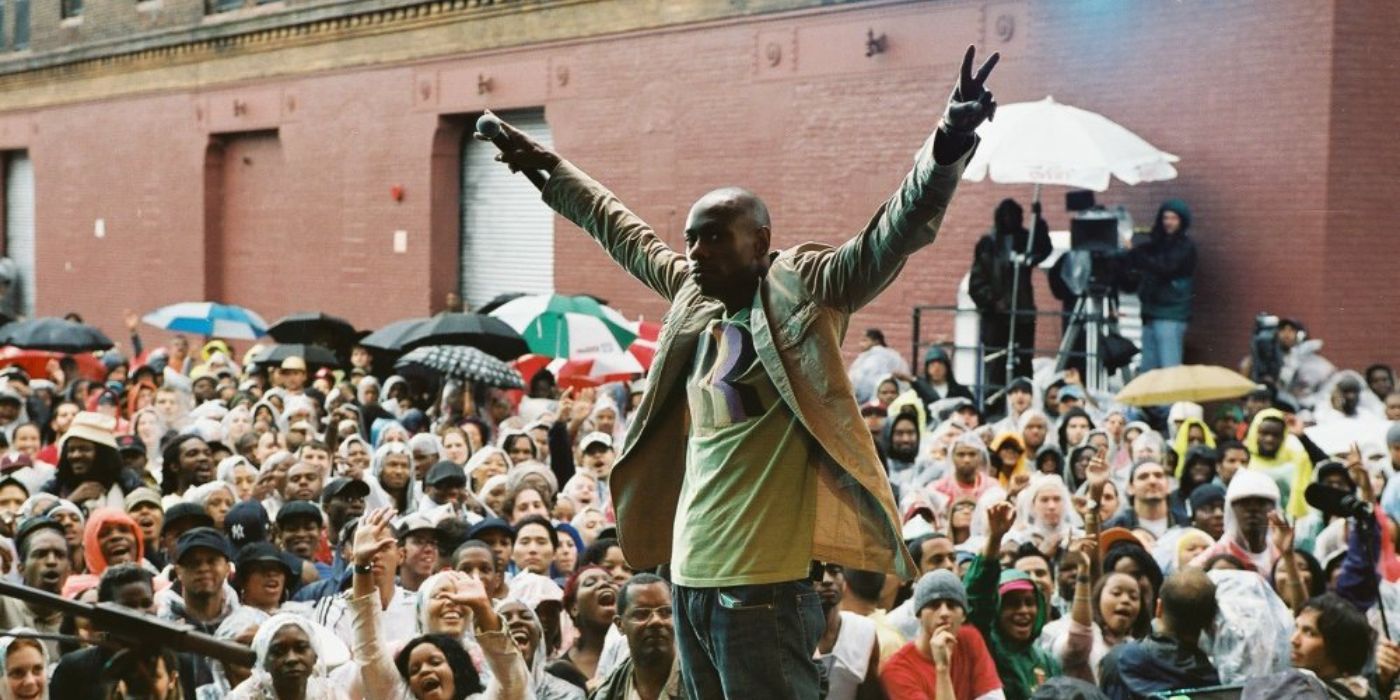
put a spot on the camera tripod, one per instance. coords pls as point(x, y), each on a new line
point(1094, 312)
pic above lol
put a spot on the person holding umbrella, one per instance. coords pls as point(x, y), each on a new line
point(749, 406)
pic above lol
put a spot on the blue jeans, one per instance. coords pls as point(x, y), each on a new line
point(1162, 340)
point(742, 642)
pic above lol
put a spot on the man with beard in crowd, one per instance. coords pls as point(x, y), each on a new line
point(901, 439)
point(1147, 494)
point(187, 462)
point(203, 598)
point(968, 478)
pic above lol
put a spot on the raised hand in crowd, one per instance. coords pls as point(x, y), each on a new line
point(1356, 469)
point(1292, 590)
point(374, 539)
point(1000, 517)
point(470, 592)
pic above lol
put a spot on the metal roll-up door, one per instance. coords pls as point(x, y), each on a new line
point(19, 231)
point(507, 231)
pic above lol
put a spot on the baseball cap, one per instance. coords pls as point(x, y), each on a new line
point(1113, 536)
point(595, 438)
point(344, 487)
point(183, 511)
point(202, 538)
point(246, 523)
point(138, 496)
point(415, 522)
point(299, 509)
point(1071, 391)
point(490, 525)
point(1205, 494)
point(33, 525)
point(294, 363)
point(261, 552)
point(130, 443)
point(446, 471)
point(15, 461)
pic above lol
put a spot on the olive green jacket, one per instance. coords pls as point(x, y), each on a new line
point(807, 298)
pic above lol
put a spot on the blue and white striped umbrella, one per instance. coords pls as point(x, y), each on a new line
point(209, 319)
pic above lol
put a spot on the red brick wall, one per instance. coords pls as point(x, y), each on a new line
point(1357, 282)
point(1249, 95)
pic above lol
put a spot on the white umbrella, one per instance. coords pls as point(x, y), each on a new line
point(1048, 143)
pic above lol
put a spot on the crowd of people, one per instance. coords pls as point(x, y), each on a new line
point(427, 538)
point(1081, 542)
point(412, 538)
point(365, 539)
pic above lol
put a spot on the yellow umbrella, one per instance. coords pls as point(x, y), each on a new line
point(1196, 383)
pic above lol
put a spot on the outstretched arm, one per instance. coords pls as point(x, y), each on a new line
point(580, 199)
point(853, 274)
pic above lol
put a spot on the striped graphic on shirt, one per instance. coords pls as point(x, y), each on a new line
point(726, 398)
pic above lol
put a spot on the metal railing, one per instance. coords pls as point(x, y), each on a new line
point(1128, 324)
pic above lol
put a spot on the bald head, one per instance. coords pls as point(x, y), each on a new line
point(1187, 603)
point(727, 236)
point(735, 202)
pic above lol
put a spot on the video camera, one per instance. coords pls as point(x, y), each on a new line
point(1095, 244)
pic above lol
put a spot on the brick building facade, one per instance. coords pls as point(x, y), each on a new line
point(254, 155)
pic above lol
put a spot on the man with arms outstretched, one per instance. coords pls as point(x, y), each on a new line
point(748, 457)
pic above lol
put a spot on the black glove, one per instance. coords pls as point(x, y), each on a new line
point(970, 104)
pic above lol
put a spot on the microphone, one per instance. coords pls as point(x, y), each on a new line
point(489, 126)
point(1336, 502)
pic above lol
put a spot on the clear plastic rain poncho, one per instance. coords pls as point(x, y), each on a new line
point(1252, 627)
point(1390, 600)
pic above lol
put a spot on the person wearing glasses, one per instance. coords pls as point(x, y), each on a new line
point(644, 616)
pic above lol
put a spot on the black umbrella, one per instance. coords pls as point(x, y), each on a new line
point(459, 362)
point(498, 301)
point(391, 337)
point(489, 334)
point(314, 355)
point(313, 327)
point(54, 334)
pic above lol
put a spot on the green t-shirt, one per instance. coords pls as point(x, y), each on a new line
point(748, 505)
